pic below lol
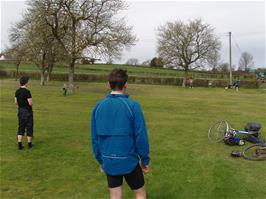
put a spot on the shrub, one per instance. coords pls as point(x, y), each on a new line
point(157, 62)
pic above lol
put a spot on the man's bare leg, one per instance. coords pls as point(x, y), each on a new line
point(140, 193)
point(116, 193)
point(20, 137)
point(29, 141)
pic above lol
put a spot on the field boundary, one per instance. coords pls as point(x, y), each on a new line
point(177, 81)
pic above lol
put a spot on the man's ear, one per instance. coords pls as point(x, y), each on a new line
point(126, 85)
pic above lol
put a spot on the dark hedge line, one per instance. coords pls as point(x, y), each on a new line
point(133, 79)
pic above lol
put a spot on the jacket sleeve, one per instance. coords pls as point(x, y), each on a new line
point(94, 138)
point(141, 135)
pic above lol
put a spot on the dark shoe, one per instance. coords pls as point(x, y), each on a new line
point(30, 145)
point(20, 147)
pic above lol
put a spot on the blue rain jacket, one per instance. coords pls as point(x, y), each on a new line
point(119, 135)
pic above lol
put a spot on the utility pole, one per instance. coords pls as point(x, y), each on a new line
point(230, 60)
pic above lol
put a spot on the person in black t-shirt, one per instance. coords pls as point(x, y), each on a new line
point(25, 115)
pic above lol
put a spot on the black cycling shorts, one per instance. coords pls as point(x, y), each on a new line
point(135, 179)
point(25, 122)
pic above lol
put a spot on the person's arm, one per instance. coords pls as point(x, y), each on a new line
point(30, 101)
point(29, 98)
point(141, 137)
point(16, 101)
point(94, 138)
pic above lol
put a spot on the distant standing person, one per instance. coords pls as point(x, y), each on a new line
point(236, 85)
point(190, 82)
point(119, 138)
point(25, 115)
point(65, 88)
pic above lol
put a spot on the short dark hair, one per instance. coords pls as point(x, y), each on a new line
point(117, 79)
point(23, 80)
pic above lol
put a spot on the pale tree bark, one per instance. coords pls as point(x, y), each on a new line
point(42, 73)
point(17, 68)
point(50, 62)
point(185, 78)
point(71, 72)
point(49, 72)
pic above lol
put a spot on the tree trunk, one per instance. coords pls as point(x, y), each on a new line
point(50, 69)
point(17, 67)
point(42, 77)
point(71, 72)
point(185, 78)
point(48, 77)
point(42, 69)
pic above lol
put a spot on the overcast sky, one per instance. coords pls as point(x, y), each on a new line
point(245, 19)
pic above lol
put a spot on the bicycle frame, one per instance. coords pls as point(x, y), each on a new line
point(221, 129)
point(240, 132)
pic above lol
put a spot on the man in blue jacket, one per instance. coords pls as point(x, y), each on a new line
point(119, 138)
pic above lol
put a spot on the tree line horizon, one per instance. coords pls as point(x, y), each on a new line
point(65, 31)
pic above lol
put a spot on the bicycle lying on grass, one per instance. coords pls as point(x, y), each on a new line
point(255, 152)
point(222, 131)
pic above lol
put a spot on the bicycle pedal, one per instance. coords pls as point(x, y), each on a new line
point(236, 154)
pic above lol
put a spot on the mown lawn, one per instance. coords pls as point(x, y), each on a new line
point(184, 164)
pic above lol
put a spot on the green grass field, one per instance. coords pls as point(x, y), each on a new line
point(183, 162)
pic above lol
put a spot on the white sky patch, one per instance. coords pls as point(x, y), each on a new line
point(245, 19)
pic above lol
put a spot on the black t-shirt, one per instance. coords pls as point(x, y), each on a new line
point(22, 95)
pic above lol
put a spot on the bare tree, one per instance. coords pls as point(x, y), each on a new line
point(16, 53)
point(86, 25)
point(245, 62)
point(132, 62)
point(224, 67)
point(109, 60)
point(214, 62)
point(146, 62)
point(188, 46)
point(31, 35)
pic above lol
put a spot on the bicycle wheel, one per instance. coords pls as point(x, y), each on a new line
point(255, 152)
point(217, 131)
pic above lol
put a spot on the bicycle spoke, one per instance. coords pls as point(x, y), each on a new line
point(217, 131)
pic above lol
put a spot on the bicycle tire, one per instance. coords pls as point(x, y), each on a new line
point(248, 150)
point(217, 131)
